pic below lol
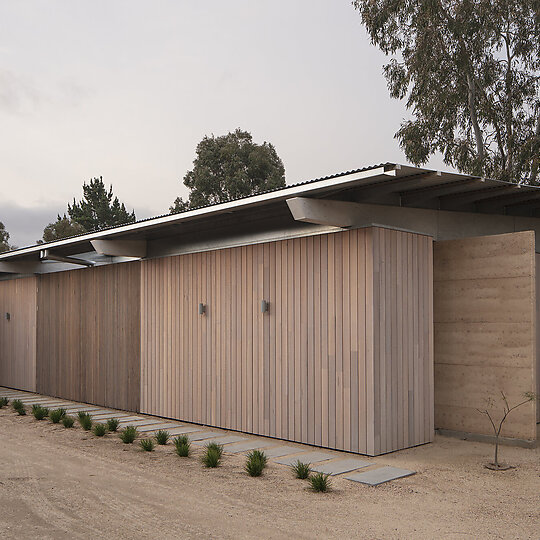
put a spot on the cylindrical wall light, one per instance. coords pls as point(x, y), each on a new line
point(202, 309)
point(264, 306)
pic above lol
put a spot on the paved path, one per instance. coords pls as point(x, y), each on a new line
point(330, 462)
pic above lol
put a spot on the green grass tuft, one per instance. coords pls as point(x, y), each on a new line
point(147, 444)
point(162, 436)
point(99, 430)
point(112, 424)
point(128, 434)
point(18, 407)
point(17, 404)
point(255, 463)
point(40, 412)
point(215, 447)
point(57, 415)
point(320, 482)
point(85, 420)
point(182, 446)
point(4, 402)
point(68, 421)
point(211, 457)
point(301, 470)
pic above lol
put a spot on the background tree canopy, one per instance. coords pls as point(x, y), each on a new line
point(229, 167)
point(4, 239)
point(97, 209)
point(469, 70)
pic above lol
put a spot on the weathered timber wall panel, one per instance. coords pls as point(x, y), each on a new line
point(403, 339)
point(307, 370)
point(18, 334)
point(88, 338)
point(485, 331)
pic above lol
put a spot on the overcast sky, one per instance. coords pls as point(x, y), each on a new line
point(126, 90)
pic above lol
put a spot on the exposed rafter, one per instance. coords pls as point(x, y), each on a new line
point(46, 255)
point(120, 248)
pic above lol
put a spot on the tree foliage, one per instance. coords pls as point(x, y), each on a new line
point(469, 71)
point(63, 227)
point(4, 239)
point(229, 167)
point(98, 209)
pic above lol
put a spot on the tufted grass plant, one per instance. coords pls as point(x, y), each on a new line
point(320, 482)
point(85, 420)
point(182, 445)
point(4, 402)
point(112, 424)
point(128, 434)
point(211, 457)
point(162, 436)
point(56, 415)
point(68, 421)
point(99, 430)
point(39, 412)
point(255, 463)
point(301, 470)
point(147, 445)
point(215, 447)
point(18, 407)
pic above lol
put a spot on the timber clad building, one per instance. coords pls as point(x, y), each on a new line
point(359, 312)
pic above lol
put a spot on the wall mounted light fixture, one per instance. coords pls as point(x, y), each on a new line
point(264, 306)
point(8, 316)
point(202, 309)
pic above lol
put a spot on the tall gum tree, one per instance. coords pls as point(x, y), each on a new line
point(469, 72)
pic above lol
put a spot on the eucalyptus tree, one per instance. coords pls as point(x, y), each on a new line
point(469, 72)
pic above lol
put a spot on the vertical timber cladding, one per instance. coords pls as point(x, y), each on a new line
point(485, 331)
point(18, 333)
point(89, 335)
point(341, 359)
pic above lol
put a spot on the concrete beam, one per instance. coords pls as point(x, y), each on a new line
point(22, 267)
point(46, 255)
point(120, 248)
point(323, 211)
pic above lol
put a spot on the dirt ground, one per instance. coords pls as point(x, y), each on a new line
point(57, 483)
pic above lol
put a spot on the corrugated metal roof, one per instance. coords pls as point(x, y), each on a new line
point(386, 183)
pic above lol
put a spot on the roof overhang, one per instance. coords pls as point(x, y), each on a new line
point(388, 184)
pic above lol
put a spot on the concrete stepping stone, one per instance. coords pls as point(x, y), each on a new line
point(308, 457)
point(155, 427)
point(99, 412)
point(46, 403)
point(341, 466)
point(140, 423)
point(379, 476)
point(71, 410)
point(30, 401)
point(183, 430)
point(246, 446)
point(129, 419)
point(224, 440)
point(278, 451)
point(204, 435)
point(98, 416)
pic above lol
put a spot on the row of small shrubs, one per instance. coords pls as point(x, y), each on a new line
point(319, 481)
point(256, 460)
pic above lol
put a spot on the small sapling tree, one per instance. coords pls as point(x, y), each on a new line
point(497, 423)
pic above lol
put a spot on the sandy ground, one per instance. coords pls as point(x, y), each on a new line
point(57, 483)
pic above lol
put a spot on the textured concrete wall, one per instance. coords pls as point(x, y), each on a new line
point(485, 331)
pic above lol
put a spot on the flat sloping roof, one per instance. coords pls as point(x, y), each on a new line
point(389, 184)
